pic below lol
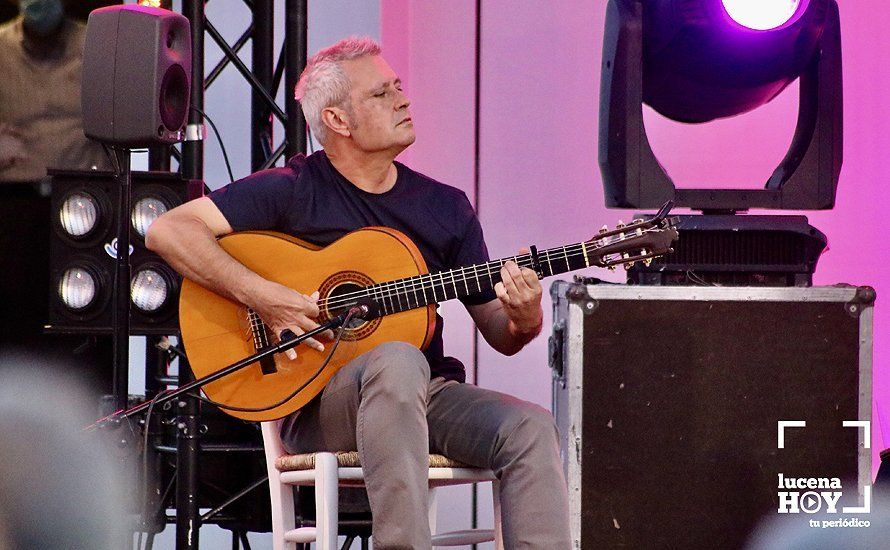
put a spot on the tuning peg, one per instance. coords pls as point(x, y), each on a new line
point(638, 220)
point(647, 262)
point(629, 265)
point(619, 225)
point(610, 267)
point(604, 228)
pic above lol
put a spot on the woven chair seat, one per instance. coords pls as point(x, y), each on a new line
point(349, 459)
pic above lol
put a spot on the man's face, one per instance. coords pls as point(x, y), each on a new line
point(378, 109)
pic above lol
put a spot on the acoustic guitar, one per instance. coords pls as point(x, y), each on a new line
point(377, 264)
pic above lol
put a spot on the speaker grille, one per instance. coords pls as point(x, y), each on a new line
point(173, 99)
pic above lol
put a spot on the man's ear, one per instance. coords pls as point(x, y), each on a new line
point(337, 120)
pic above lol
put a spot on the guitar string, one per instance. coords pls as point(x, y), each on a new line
point(392, 288)
point(381, 291)
point(395, 289)
point(492, 267)
point(386, 289)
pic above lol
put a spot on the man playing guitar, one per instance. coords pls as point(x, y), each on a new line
point(394, 404)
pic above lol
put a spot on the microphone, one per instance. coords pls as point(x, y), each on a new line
point(365, 309)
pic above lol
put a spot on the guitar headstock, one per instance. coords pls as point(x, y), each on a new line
point(640, 240)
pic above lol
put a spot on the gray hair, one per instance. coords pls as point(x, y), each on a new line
point(323, 83)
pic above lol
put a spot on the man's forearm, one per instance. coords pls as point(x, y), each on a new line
point(502, 334)
point(200, 258)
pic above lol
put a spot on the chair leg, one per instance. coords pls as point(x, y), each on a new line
point(432, 510)
point(496, 498)
point(326, 501)
point(283, 517)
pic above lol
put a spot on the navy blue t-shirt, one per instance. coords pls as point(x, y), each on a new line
point(310, 200)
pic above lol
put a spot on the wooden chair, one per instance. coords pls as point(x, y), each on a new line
point(329, 471)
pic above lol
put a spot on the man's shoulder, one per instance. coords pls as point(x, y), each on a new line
point(429, 185)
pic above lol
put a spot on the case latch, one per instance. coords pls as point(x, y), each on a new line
point(555, 348)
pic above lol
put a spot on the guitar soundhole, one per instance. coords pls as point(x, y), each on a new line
point(338, 294)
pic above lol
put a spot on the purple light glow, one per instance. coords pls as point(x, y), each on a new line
point(763, 15)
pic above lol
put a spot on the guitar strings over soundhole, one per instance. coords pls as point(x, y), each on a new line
point(350, 285)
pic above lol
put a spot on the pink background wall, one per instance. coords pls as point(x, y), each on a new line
point(540, 183)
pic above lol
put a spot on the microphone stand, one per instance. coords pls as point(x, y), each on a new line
point(288, 341)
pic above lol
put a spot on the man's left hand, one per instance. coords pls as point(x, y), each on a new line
point(520, 293)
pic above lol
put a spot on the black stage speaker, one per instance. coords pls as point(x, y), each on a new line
point(668, 401)
point(136, 67)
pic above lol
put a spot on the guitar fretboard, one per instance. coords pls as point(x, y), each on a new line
point(431, 288)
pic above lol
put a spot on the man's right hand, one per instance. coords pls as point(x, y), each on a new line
point(283, 308)
point(186, 237)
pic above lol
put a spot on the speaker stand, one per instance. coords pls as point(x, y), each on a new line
point(120, 313)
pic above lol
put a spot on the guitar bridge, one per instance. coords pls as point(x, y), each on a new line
point(260, 333)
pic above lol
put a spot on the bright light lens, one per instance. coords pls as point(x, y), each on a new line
point(77, 288)
point(78, 214)
point(761, 15)
point(145, 212)
point(148, 290)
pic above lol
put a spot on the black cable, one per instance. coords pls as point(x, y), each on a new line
point(219, 140)
point(112, 158)
point(293, 393)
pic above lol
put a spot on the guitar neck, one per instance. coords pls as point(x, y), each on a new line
point(432, 288)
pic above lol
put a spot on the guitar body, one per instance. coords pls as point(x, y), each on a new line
point(217, 331)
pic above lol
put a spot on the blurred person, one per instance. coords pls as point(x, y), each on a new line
point(59, 486)
point(40, 118)
point(41, 54)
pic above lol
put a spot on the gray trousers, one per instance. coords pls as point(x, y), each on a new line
point(384, 405)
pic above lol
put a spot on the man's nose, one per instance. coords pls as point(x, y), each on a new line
point(402, 101)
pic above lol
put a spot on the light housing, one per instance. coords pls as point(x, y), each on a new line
point(81, 215)
point(699, 65)
point(147, 204)
point(153, 287)
point(83, 241)
point(78, 288)
point(691, 63)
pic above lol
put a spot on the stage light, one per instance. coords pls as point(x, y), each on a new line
point(151, 3)
point(763, 15)
point(77, 288)
point(700, 63)
point(83, 248)
point(79, 214)
point(145, 212)
point(695, 61)
point(150, 287)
